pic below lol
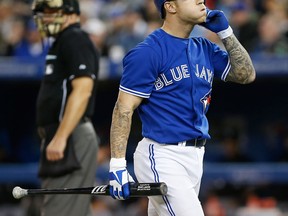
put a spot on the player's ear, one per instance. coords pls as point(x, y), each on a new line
point(170, 7)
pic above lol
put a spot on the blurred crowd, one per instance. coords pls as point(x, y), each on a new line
point(118, 25)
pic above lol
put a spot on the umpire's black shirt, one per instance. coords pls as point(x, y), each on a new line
point(71, 55)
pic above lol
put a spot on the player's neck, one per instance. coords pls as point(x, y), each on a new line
point(177, 29)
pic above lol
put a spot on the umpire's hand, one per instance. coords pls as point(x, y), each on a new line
point(55, 149)
point(119, 179)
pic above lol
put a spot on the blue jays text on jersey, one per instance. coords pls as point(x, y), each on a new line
point(181, 72)
point(175, 77)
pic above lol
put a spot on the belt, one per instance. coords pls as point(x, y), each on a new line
point(193, 142)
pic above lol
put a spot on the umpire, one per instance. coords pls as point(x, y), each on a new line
point(65, 105)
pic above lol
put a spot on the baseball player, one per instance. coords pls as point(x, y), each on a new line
point(168, 79)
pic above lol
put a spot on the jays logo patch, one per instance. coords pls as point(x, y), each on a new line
point(206, 100)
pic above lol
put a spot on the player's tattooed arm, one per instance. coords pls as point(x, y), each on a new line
point(121, 123)
point(120, 129)
point(242, 70)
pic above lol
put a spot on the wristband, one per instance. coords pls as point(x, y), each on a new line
point(225, 33)
point(118, 163)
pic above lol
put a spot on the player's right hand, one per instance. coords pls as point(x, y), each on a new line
point(119, 179)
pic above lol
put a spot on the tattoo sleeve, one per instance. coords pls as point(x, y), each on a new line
point(242, 70)
point(120, 130)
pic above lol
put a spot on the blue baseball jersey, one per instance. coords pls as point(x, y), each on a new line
point(174, 76)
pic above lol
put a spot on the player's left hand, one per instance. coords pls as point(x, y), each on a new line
point(119, 179)
point(217, 22)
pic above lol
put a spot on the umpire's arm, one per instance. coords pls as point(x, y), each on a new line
point(121, 123)
point(76, 105)
point(242, 70)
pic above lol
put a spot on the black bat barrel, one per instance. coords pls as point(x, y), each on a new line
point(148, 189)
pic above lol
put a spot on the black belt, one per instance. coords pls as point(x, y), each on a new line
point(193, 142)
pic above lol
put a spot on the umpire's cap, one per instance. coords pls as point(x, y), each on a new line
point(68, 6)
point(159, 5)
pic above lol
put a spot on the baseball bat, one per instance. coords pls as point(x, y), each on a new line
point(136, 190)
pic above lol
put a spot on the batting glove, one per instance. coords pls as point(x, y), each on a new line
point(217, 22)
point(119, 179)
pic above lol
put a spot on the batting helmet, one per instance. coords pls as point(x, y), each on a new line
point(159, 5)
point(67, 6)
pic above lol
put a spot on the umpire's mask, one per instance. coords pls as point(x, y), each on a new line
point(49, 14)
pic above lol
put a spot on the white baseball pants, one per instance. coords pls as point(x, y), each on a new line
point(180, 167)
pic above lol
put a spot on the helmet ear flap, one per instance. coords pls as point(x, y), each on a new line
point(159, 5)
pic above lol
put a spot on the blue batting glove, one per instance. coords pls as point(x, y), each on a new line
point(119, 179)
point(217, 22)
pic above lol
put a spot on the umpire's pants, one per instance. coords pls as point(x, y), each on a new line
point(86, 147)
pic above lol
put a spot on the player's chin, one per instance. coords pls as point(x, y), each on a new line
point(201, 20)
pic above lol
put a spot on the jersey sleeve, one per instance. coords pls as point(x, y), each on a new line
point(80, 57)
point(221, 62)
point(140, 70)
